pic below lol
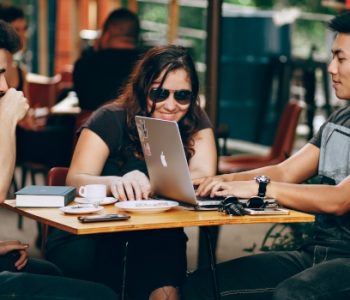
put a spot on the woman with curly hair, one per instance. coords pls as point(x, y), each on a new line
point(163, 85)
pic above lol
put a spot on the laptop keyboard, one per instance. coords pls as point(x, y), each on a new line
point(208, 198)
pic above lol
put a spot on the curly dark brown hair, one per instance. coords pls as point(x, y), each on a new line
point(134, 95)
point(9, 39)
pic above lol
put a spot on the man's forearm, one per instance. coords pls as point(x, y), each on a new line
point(7, 159)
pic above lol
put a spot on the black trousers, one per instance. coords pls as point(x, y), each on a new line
point(41, 280)
point(314, 272)
point(155, 258)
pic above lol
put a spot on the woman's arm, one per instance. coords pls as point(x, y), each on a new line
point(89, 157)
point(204, 161)
point(88, 160)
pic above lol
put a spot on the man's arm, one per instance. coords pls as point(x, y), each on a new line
point(13, 107)
point(15, 246)
point(295, 169)
point(285, 185)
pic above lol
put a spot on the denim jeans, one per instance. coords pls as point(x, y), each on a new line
point(41, 280)
point(315, 272)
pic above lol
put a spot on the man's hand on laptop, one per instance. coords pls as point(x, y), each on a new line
point(134, 185)
point(240, 189)
point(204, 185)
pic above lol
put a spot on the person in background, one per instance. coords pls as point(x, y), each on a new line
point(164, 85)
point(16, 71)
point(49, 140)
point(22, 277)
point(99, 76)
point(320, 268)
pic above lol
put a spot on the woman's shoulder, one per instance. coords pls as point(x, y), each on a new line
point(111, 109)
point(109, 114)
point(203, 120)
point(108, 122)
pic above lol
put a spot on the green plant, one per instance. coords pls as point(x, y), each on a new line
point(284, 237)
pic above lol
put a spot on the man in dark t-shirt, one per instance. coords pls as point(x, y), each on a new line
point(320, 268)
point(99, 76)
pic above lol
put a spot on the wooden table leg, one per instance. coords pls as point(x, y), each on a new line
point(125, 260)
point(211, 253)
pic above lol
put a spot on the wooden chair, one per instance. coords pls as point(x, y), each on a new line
point(42, 90)
point(281, 149)
point(57, 177)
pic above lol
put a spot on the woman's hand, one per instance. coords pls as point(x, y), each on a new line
point(133, 185)
point(8, 246)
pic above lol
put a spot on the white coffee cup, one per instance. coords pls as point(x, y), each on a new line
point(93, 192)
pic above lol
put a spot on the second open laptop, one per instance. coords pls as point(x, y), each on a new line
point(166, 163)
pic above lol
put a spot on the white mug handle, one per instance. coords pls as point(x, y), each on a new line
point(82, 191)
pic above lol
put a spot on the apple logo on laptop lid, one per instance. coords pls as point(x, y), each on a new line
point(163, 160)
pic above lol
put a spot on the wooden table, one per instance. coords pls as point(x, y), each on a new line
point(170, 219)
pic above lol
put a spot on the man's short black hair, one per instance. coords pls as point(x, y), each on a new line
point(123, 22)
point(340, 23)
point(10, 13)
point(9, 39)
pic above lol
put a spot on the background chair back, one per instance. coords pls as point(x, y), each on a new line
point(280, 150)
point(43, 90)
point(284, 139)
point(57, 176)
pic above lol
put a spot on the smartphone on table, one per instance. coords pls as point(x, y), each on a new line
point(103, 218)
point(266, 211)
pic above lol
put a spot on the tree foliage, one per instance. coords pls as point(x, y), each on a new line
point(314, 6)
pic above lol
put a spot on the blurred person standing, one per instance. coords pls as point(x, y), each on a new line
point(16, 70)
point(98, 76)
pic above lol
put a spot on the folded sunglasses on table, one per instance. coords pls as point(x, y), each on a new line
point(254, 206)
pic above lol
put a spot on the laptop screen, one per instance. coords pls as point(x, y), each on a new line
point(165, 159)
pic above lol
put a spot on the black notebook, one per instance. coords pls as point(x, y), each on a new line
point(44, 196)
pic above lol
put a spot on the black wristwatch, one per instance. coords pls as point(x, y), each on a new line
point(263, 182)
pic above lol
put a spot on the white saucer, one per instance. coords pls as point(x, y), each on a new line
point(80, 209)
point(105, 201)
point(146, 206)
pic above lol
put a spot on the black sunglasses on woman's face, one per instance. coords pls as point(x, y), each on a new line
point(161, 94)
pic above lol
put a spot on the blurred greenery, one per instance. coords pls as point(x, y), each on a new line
point(305, 33)
point(284, 237)
point(305, 5)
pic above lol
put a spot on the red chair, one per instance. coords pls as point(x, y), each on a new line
point(281, 149)
point(42, 90)
point(56, 176)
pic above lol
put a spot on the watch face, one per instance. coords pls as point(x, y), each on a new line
point(263, 182)
point(263, 179)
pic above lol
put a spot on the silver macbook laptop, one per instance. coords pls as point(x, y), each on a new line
point(166, 163)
